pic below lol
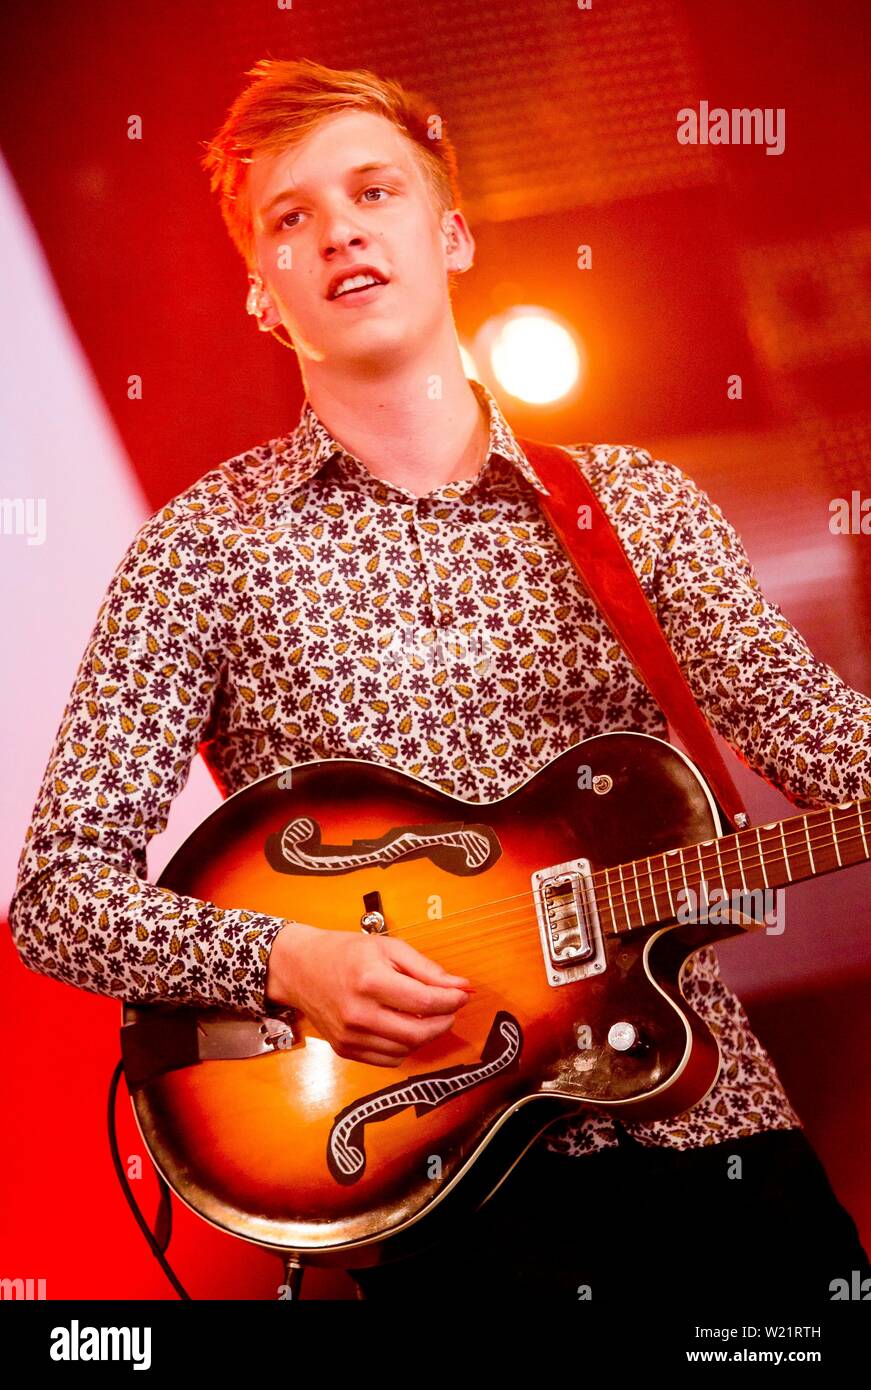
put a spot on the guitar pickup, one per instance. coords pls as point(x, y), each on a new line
point(568, 923)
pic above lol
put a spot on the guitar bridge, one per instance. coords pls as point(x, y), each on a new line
point(568, 922)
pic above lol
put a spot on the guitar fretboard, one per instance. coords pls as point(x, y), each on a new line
point(645, 891)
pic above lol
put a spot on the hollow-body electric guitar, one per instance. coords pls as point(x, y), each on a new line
point(571, 905)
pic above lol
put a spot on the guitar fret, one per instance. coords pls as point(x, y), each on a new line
point(722, 870)
point(623, 894)
point(683, 874)
point(862, 829)
point(652, 891)
point(809, 850)
point(610, 902)
point(835, 836)
point(785, 855)
point(740, 863)
point(664, 857)
point(761, 857)
point(637, 894)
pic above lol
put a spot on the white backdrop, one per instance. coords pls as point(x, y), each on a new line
point(58, 445)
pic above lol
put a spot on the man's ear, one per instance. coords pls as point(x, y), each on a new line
point(259, 303)
point(271, 317)
point(459, 242)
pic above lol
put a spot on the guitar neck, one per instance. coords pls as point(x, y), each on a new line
point(646, 891)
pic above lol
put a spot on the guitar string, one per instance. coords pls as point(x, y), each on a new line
point(506, 919)
point(661, 877)
point(484, 915)
point(644, 875)
point(485, 922)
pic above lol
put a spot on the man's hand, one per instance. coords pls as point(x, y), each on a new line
point(373, 998)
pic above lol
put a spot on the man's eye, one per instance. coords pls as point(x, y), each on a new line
point(283, 225)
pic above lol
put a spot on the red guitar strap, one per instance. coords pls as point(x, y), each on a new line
point(602, 563)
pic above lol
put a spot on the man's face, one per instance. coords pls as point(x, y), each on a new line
point(316, 213)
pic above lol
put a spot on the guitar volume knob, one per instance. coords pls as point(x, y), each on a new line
point(625, 1037)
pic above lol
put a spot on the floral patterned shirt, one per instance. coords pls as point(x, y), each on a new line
point(263, 616)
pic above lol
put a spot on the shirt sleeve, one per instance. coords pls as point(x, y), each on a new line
point(784, 711)
point(82, 910)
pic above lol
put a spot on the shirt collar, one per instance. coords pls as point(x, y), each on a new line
point(311, 446)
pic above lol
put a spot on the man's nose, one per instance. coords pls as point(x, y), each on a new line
point(338, 235)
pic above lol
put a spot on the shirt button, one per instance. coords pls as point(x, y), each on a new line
point(444, 619)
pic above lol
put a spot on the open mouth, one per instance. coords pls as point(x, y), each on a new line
point(354, 281)
point(359, 296)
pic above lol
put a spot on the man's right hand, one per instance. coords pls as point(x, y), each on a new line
point(374, 998)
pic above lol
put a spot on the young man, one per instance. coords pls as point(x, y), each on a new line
point(256, 616)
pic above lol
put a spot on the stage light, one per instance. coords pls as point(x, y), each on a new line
point(533, 354)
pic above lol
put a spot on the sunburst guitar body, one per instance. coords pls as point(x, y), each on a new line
point(561, 903)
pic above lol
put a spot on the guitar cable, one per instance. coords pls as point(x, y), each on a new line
point(159, 1238)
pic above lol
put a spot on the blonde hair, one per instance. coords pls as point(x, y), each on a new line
point(284, 103)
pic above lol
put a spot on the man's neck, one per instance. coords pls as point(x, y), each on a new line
point(401, 435)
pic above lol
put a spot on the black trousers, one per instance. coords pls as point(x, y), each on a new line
point(662, 1226)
